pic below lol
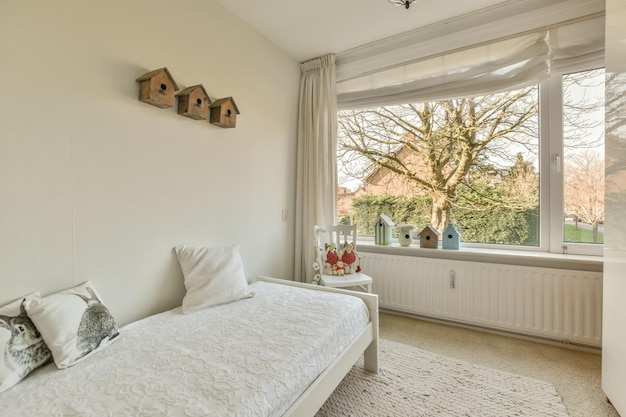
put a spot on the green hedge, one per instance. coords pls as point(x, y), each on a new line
point(498, 224)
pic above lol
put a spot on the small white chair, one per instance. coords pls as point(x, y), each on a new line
point(340, 235)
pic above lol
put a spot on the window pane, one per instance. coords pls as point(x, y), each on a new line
point(469, 161)
point(583, 162)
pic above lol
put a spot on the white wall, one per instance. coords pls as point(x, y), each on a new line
point(97, 185)
point(614, 314)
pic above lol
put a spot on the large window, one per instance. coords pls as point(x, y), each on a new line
point(521, 168)
point(583, 158)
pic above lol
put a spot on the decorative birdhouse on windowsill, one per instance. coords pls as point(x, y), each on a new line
point(382, 230)
point(404, 234)
point(451, 237)
point(193, 102)
point(157, 88)
point(429, 237)
point(224, 112)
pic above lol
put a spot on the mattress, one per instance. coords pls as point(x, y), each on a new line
point(252, 357)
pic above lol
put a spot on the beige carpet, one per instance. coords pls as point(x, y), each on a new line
point(414, 383)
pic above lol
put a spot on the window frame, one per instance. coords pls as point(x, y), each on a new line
point(551, 178)
point(555, 242)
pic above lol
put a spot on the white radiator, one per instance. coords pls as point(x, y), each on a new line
point(557, 304)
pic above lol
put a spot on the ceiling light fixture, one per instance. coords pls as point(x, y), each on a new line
point(405, 3)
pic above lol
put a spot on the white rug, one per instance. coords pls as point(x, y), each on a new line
point(416, 383)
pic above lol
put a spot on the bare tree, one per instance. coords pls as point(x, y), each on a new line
point(584, 188)
point(583, 145)
point(580, 131)
point(447, 140)
point(517, 189)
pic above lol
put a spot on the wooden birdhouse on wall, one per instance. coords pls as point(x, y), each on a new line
point(429, 237)
point(382, 230)
point(451, 237)
point(193, 102)
point(224, 112)
point(157, 88)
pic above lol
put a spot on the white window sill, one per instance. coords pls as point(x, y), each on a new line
point(508, 257)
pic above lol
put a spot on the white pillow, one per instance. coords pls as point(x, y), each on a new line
point(21, 347)
point(74, 323)
point(212, 276)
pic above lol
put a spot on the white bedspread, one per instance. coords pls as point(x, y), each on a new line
point(253, 357)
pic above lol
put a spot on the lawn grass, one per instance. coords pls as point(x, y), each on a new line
point(580, 235)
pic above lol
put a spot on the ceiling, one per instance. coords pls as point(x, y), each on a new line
point(309, 29)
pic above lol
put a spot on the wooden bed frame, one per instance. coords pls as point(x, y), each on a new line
point(366, 343)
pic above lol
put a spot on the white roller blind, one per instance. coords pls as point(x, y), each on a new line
point(471, 71)
point(503, 64)
point(577, 42)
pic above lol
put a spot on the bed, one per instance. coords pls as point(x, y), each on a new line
point(279, 353)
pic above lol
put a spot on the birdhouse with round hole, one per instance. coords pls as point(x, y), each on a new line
point(193, 102)
point(223, 112)
point(404, 234)
point(451, 237)
point(429, 237)
point(382, 230)
point(157, 88)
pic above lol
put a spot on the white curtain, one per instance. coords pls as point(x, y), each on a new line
point(316, 182)
point(495, 65)
point(506, 64)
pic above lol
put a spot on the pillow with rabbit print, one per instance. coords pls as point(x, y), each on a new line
point(21, 347)
point(74, 323)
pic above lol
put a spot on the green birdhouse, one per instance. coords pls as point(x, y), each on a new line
point(382, 230)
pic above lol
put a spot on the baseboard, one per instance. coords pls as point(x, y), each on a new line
point(517, 335)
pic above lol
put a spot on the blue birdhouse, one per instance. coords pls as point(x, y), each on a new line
point(382, 230)
point(451, 237)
